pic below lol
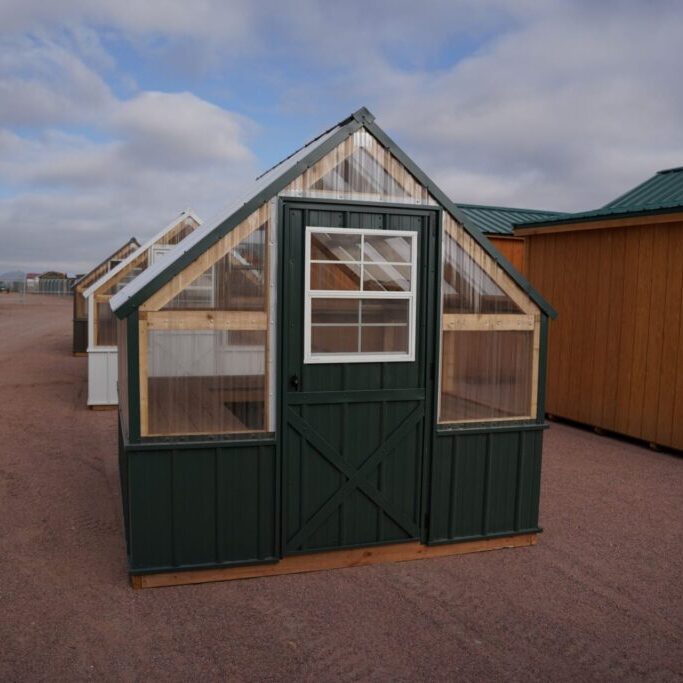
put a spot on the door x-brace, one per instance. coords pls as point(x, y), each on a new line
point(356, 478)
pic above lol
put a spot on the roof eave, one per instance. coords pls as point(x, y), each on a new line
point(109, 258)
point(187, 213)
point(347, 128)
point(596, 217)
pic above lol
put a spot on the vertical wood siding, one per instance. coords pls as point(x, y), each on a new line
point(615, 359)
point(513, 250)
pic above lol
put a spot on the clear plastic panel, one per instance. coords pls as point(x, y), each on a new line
point(216, 379)
point(206, 381)
point(122, 337)
point(485, 375)
point(106, 325)
point(467, 287)
point(488, 330)
point(236, 282)
point(360, 168)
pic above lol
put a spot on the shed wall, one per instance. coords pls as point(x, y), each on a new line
point(513, 250)
point(485, 483)
point(615, 359)
point(198, 505)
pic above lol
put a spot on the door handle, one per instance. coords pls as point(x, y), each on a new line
point(294, 382)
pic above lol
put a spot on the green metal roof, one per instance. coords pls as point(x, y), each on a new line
point(663, 190)
point(662, 193)
point(500, 220)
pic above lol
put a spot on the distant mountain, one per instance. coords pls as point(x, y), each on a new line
point(13, 275)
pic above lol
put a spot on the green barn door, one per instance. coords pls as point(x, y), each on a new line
point(356, 348)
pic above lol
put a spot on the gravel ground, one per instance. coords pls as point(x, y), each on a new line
point(600, 596)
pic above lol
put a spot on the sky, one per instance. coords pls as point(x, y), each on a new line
point(117, 115)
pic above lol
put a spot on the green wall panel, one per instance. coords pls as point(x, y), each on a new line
point(485, 484)
point(150, 497)
point(200, 506)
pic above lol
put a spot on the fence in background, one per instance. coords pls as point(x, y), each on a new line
point(56, 287)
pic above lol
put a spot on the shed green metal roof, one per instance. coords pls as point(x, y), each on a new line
point(661, 193)
point(500, 220)
point(663, 190)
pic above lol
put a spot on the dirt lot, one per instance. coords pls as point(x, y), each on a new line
point(600, 597)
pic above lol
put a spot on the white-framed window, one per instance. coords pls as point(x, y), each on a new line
point(360, 295)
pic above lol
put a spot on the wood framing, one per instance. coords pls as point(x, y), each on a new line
point(335, 559)
point(207, 320)
point(209, 258)
point(487, 322)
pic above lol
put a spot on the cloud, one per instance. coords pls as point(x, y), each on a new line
point(114, 116)
point(120, 166)
point(565, 112)
point(43, 83)
point(181, 129)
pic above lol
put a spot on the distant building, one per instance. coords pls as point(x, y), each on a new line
point(53, 282)
point(32, 282)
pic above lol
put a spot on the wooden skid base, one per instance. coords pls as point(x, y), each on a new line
point(335, 559)
point(103, 407)
point(80, 354)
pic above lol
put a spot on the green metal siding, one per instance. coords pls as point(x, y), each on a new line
point(199, 505)
point(665, 188)
point(485, 483)
point(500, 220)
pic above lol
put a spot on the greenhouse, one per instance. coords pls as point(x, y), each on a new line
point(342, 363)
point(80, 319)
point(102, 340)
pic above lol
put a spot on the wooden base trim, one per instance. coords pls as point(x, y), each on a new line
point(335, 559)
point(80, 354)
point(103, 406)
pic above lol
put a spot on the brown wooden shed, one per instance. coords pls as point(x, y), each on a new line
point(615, 276)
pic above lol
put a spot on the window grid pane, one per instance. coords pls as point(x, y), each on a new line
point(360, 293)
